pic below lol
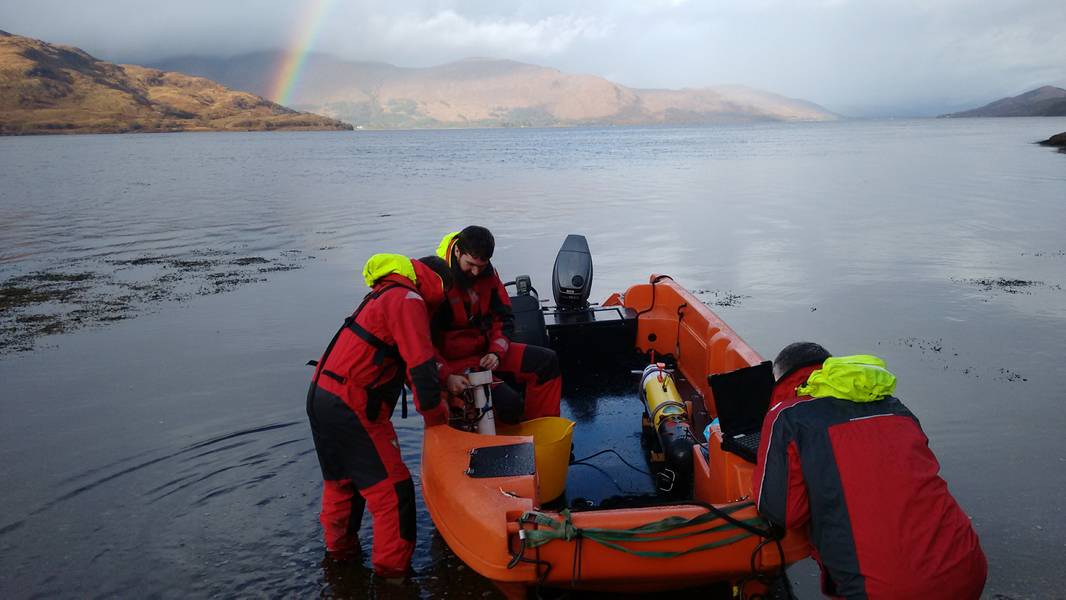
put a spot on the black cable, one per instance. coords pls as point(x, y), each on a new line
point(519, 557)
point(605, 474)
point(612, 451)
point(757, 576)
point(680, 317)
point(653, 282)
point(763, 533)
point(575, 568)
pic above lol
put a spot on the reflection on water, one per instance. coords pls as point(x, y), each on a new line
point(160, 294)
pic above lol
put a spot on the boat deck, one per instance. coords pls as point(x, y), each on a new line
point(606, 406)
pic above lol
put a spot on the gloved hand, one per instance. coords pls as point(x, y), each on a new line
point(490, 361)
point(456, 384)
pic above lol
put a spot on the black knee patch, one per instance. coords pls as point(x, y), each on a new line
point(405, 506)
point(345, 449)
point(355, 515)
point(542, 362)
point(508, 404)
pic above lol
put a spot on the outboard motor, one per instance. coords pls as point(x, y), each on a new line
point(585, 335)
point(572, 275)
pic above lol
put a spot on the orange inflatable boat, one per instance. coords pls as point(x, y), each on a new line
point(493, 497)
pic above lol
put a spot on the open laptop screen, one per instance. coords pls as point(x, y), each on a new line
point(742, 398)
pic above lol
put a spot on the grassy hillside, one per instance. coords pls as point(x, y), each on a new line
point(46, 88)
point(1047, 101)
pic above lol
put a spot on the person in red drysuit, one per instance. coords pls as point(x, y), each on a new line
point(352, 397)
point(840, 455)
point(468, 332)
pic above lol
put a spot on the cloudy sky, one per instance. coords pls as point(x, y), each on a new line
point(857, 57)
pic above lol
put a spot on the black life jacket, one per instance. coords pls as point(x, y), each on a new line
point(377, 394)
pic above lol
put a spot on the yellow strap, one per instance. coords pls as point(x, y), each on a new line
point(442, 249)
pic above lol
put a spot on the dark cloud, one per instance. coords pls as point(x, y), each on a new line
point(868, 56)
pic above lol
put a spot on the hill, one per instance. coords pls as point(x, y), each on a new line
point(1047, 101)
point(482, 92)
point(45, 88)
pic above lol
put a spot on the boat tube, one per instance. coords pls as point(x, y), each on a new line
point(486, 497)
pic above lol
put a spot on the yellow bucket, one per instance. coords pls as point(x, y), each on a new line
point(551, 450)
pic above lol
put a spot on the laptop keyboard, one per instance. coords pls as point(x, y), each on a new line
point(749, 441)
point(745, 446)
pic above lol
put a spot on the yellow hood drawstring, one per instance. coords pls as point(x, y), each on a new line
point(442, 249)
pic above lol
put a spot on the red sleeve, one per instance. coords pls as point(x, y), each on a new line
point(409, 326)
point(500, 308)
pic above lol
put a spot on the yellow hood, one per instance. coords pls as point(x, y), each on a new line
point(858, 378)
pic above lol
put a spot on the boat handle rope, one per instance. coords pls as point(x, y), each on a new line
point(653, 282)
point(550, 529)
point(536, 537)
point(565, 530)
point(520, 557)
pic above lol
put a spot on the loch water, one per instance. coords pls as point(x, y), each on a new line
point(160, 294)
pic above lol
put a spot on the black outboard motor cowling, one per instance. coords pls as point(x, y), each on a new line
point(572, 275)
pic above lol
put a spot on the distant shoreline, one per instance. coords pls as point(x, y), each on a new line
point(588, 126)
point(64, 132)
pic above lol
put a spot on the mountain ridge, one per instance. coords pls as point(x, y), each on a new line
point(1044, 101)
point(53, 88)
point(489, 92)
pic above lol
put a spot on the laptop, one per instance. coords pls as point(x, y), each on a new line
point(742, 398)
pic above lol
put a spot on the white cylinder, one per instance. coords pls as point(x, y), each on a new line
point(482, 380)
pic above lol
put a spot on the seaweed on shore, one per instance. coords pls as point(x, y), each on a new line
point(57, 300)
point(936, 352)
point(719, 297)
point(1007, 286)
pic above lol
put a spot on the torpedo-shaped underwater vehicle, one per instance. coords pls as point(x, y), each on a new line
point(667, 417)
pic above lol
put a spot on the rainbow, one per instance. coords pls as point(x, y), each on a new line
point(295, 55)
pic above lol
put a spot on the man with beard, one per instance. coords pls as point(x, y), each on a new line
point(468, 332)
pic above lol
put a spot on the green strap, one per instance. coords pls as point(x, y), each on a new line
point(656, 531)
point(667, 554)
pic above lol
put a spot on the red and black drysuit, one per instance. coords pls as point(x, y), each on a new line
point(470, 324)
point(351, 400)
point(882, 522)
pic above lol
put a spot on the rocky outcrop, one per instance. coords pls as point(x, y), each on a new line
point(1058, 140)
point(45, 88)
